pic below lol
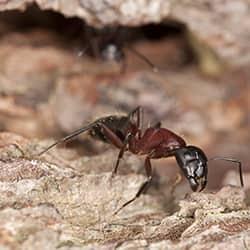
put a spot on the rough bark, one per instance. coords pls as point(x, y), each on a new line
point(51, 202)
point(220, 28)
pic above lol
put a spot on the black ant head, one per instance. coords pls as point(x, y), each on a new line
point(112, 52)
point(193, 162)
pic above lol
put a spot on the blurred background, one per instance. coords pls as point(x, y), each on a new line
point(56, 76)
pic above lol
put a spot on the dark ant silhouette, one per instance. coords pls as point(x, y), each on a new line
point(125, 133)
point(108, 44)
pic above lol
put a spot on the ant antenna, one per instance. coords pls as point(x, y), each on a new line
point(81, 52)
point(144, 58)
point(68, 137)
point(231, 160)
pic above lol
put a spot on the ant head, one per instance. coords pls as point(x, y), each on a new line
point(193, 162)
point(112, 52)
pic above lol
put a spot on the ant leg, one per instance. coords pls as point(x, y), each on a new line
point(85, 35)
point(137, 112)
point(83, 51)
point(157, 125)
point(92, 42)
point(115, 140)
point(123, 66)
point(232, 160)
point(95, 49)
point(177, 180)
point(68, 137)
point(139, 118)
point(112, 137)
point(143, 187)
point(144, 58)
point(123, 149)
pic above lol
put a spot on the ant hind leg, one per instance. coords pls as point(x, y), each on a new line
point(143, 187)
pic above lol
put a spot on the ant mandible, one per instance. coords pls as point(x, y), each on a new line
point(125, 133)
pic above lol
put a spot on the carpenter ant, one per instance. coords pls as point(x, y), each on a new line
point(108, 45)
point(125, 133)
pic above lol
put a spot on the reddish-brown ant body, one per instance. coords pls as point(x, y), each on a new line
point(125, 133)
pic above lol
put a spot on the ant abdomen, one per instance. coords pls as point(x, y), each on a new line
point(118, 124)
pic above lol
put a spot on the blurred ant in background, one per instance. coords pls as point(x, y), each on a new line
point(109, 44)
point(126, 133)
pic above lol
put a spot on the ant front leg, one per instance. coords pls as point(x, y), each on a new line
point(124, 66)
point(123, 149)
point(143, 187)
point(115, 140)
point(144, 58)
point(176, 181)
point(111, 136)
point(138, 113)
point(139, 119)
